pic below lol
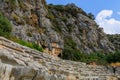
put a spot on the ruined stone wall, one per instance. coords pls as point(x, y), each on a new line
point(21, 63)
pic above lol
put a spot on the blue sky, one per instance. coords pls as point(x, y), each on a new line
point(109, 10)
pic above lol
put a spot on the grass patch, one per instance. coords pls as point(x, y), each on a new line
point(28, 44)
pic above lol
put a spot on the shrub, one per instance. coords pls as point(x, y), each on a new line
point(12, 1)
point(98, 58)
point(70, 27)
point(15, 17)
point(71, 54)
point(59, 8)
point(22, 6)
point(50, 15)
point(70, 43)
point(64, 19)
point(57, 26)
point(12, 4)
point(91, 16)
point(28, 44)
point(115, 57)
point(5, 26)
point(76, 55)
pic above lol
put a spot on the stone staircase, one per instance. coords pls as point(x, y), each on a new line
point(22, 63)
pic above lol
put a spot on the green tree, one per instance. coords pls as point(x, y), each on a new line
point(115, 57)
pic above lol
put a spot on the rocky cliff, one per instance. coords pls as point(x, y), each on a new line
point(21, 63)
point(55, 27)
point(115, 40)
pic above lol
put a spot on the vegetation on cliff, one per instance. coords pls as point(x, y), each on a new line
point(70, 52)
point(98, 58)
point(115, 40)
point(60, 13)
point(5, 26)
point(28, 44)
point(6, 29)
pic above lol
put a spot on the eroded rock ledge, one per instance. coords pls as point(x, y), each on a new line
point(21, 63)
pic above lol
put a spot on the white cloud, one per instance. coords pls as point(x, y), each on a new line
point(109, 24)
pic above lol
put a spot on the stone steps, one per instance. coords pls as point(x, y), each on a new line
point(47, 66)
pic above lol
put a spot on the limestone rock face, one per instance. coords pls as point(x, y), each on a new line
point(21, 63)
point(115, 40)
point(34, 21)
point(75, 24)
point(30, 24)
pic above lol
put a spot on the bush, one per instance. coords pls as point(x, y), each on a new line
point(31, 45)
point(71, 54)
point(15, 17)
point(12, 4)
point(12, 1)
point(22, 6)
point(70, 43)
point(70, 27)
point(76, 55)
point(98, 58)
point(112, 58)
point(59, 8)
point(28, 44)
point(50, 15)
point(91, 16)
point(57, 26)
point(5, 26)
point(64, 19)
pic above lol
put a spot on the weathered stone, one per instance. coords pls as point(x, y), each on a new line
point(30, 23)
point(34, 65)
